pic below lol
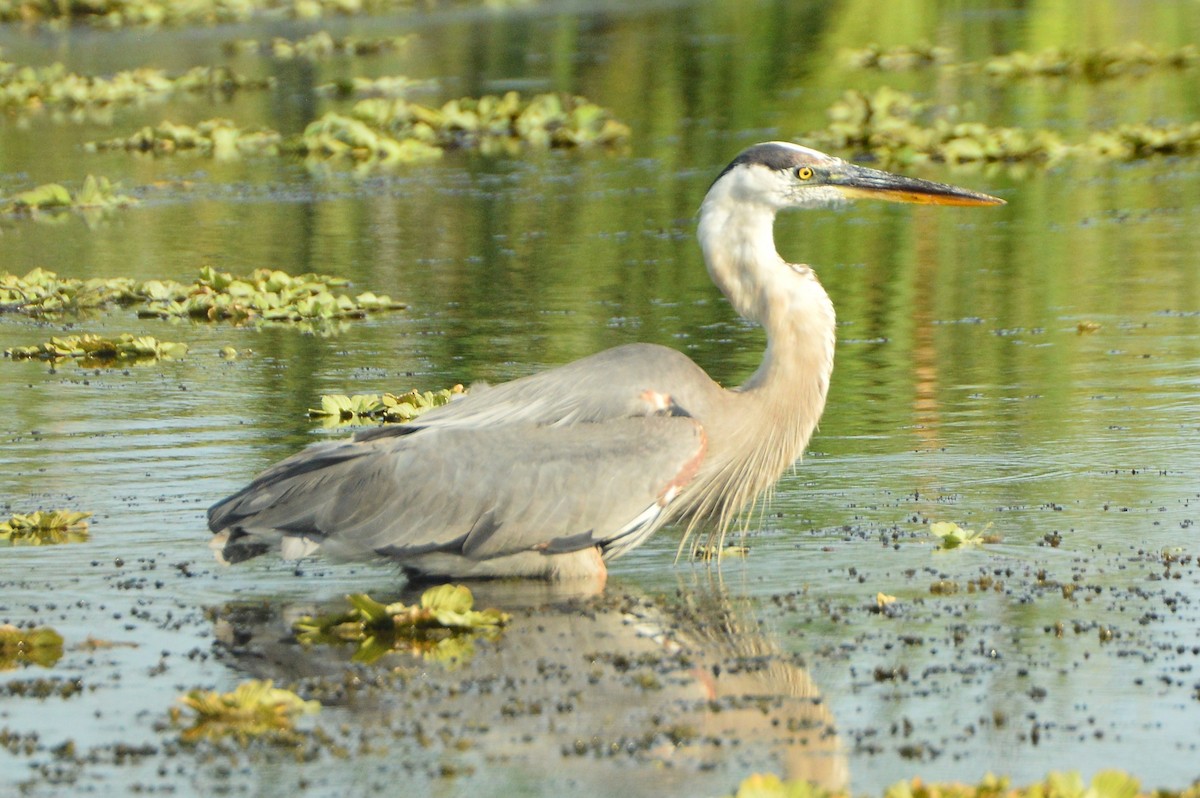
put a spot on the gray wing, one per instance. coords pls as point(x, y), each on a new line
point(478, 493)
point(608, 385)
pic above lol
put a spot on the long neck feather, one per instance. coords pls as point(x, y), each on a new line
point(767, 422)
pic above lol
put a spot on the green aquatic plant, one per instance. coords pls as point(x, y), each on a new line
point(253, 709)
point(399, 131)
point(266, 294)
point(219, 138)
point(157, 13)
point(97, 193)
point(901, 58)
point(389, 408)
point(386, 86)
point(319, 45)
point(263, 296)
point(894, 127)
point(1094, 65)
point(439, 627)
point(1104, 784)
point(41, 292)
point(952, 536)
point(27, 88)
point(40, 646)
point(43, 528)
point(94, 349)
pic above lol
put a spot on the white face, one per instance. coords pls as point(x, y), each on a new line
point(779, 178)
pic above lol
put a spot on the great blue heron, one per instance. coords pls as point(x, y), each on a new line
point(550, 475)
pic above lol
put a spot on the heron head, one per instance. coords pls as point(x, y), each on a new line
point(785, 175)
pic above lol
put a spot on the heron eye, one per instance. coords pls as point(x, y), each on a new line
point(804, 172)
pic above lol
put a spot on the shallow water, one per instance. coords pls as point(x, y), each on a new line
point(964, 391)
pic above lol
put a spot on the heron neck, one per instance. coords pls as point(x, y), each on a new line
point(738, 242)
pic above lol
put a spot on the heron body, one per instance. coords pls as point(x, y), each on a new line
point(550, 475)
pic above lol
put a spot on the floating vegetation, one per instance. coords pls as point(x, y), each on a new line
point(156, 13)
point(43, 528)
point(952, 535)
point(387, 86)
point(254, 709)
point(380, 131)
point(97, 193)
point(1104, 784)
point(338, 409)
point(903, 58)
point(40, 646)
point(894, 127)
point(440, 627)
point(1103, 64)
point(712, 552)
point(1096, 65)
point(35, 88)
point(94, 349)
point(219, 138)
point(319, 45)
point(265, 294)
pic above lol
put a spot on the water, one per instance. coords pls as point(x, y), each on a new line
point(964, 391)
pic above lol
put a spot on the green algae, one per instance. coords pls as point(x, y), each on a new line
point(253, 709)
point(895, 128)
point(41, 646)
point(29, 88)
point(338, 409)
point(319, 45)
point(42, 528)
point(96, 194)
point(95, 349)
point(1104, 784)
point(439, 627)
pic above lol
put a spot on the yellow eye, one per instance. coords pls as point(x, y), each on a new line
point(804, 172)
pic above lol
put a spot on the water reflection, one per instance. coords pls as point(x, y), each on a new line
point(620, 692)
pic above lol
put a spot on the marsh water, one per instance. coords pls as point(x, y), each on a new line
point(1032, 369)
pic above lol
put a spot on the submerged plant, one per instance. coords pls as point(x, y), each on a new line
point(254, 709)
point(439, 627)
point(389, 408)
point(40, 646)
point(93, 349)
point(43, 528)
